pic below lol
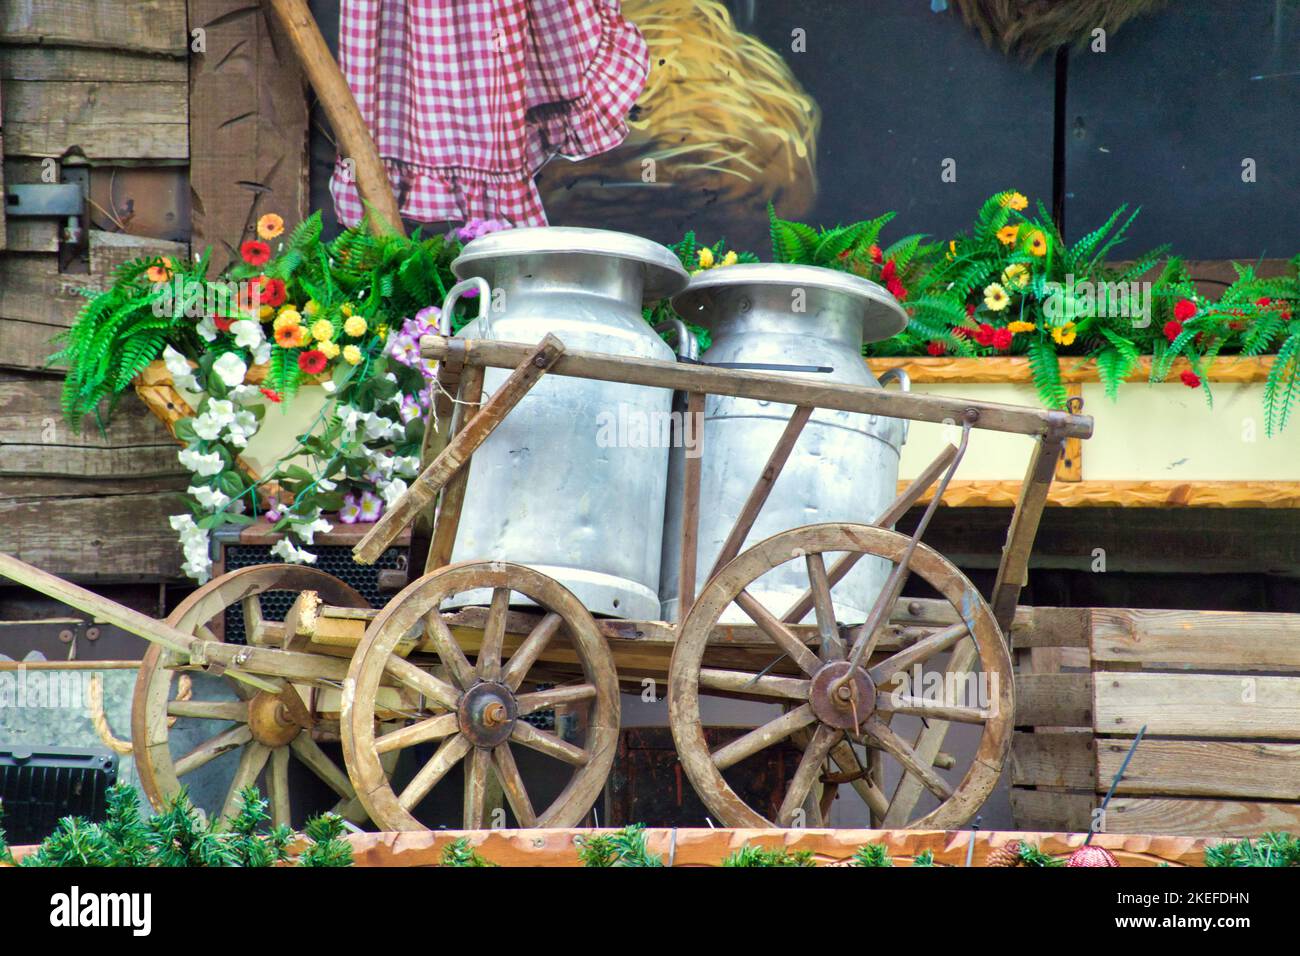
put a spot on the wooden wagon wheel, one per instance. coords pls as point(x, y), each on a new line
point(476, 712)
point(266, 728)
point(829, 708)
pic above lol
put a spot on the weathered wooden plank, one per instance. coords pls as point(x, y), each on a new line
point(249, 124)
point(104, 120)
point(1209, 640)
point(1198, 705)
point(79, 63)
point(26, 345)
point(26, 487)
point(1052, 810)
point(32, 289)
point(31, 235)
point(1203, 768)
point(117, 538)
point(1064, 760)
point(1054, 700)
point(994, 493)
point(1222, 818)
point(1050, 627)
point(153, 26)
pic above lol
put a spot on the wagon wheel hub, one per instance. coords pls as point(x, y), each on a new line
point(486, 713)
point(270, 720)
point(839, 693)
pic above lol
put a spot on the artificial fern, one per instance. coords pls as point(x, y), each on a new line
point(625, 847)
point(751, 855)
point(873, 855)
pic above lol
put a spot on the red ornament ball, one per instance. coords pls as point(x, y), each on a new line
point(1092, 856)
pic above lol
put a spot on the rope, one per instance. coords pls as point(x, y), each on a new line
point(99, 719)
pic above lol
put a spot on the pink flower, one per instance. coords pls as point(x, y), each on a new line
point(350, 511)
point(372, 506)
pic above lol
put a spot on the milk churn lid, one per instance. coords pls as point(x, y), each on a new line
point(664, 275)
point(882, 315)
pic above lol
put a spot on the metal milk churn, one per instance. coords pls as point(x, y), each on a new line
point(572, 482)
point(844, 466)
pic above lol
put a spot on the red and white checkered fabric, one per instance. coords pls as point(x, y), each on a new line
point(466, 99)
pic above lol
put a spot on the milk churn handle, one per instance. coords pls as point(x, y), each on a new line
point(457, 292)
point(904, 383)
point(687, 347)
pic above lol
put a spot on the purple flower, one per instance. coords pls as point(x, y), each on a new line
point(425, 321)
point(372, 506)
point(410, 408)
point(405, 348)
point(474, 228)
point(350, 511)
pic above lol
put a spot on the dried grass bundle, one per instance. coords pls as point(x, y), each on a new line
point(1031, 28)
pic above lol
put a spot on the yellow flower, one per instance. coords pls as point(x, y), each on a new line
point(322, 330)
point(351, 354)
point(270, 226)
point(1017, 327)
point(1007, 235)
point(347, 308)
point(355, 326)
point(1013, 200)
point(329, 349)
point(729, 259)
point(287, 317)
point(952, 249)
point(1016, 274)
point(265, 312)
point(311, 308)
point(995, 297)
point(706, 258)
point(1064, 334)
point(290, 336)
point(1038, 243)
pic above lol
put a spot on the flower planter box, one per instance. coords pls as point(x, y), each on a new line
point(1154, 446)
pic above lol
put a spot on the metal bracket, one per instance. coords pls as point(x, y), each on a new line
point(66, 200)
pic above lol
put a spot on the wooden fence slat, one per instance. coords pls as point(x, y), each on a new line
point(1202, 768)
point(1051, 627)
point(105, 120)
point(1204, 640)
point(1063, 760)
point(1221, 818)
point(1198, 705)
point(149, 26)
point(1055, 700)
point(1052, 809)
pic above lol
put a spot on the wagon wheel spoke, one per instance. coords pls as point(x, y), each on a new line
point(922, 650)
point(254, 621)
point(213, 748)
point(318, 762)
point(431, 728)
point(546, 699)
point(513, 785)
point(920, 707)
point(232, 710)
point(438, 691)
point(902, 751)
point(819, 584)
point(448, 651)
point(805, 775)
point(277, 785)
point(782, 636)
point(494, 636)
point(444, 758)
point(251, 761)
point(847, 761)
point(760, 738)
point(548, 744)
point(530, 650)
point(761, 685)
point(476, 785)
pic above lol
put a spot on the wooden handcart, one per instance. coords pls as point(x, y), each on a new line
point(462, 685)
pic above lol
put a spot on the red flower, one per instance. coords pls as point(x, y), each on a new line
point(984, 334)
point(889, 270)
point(1264, 302)
point(255, 252)
point(312, 361)
point(876, 255)
point(935, 347)
point(1184, 310)
point(1190, 379)
point(271, 395)
point(222, 323)
point(1173, 329)
point(272, 291)
point(970, 309)
point(896, 288)
point(1002, 339)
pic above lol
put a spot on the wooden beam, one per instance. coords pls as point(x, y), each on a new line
point(1202, 768)
point(1200, 640)
point(1013, 571)
point(1008, 369)
point(786, 389)
point(1197, 705)
point(690, 540)
point(453, 496)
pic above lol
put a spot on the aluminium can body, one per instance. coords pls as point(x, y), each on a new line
point(844, 466)
point(572, 482)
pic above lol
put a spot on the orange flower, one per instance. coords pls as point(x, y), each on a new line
point(289, 336)
point(1007, 235)
point(1037, 243)
point(1013, 200)
point(161, 273)
point(270, 226)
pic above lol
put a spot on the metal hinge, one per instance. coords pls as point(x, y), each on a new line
point(67, 201)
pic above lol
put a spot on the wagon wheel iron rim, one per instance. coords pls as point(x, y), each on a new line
point(819, 715)
point(476, 712)
point(267, 730)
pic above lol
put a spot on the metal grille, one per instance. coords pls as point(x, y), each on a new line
point(335, 559)
point(38, 786)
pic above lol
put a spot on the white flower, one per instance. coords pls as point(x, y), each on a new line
point(207, 328)
point(285, 550)
point(307, 530)
point(248, 334)
point(243, 394)
point(200, 570)
point(211, 498)
point(324, 484)
point(408, 466)
point(243, 426)
point(207, 427)
point(383, 464)
point(231, 369)
point(178, 367)
point(350, 418)
point(327, 387)
point(392, 491)
point(194, 544)
point(203, 465)
point(262, 354)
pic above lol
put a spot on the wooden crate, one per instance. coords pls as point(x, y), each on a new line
point(1219, 694)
